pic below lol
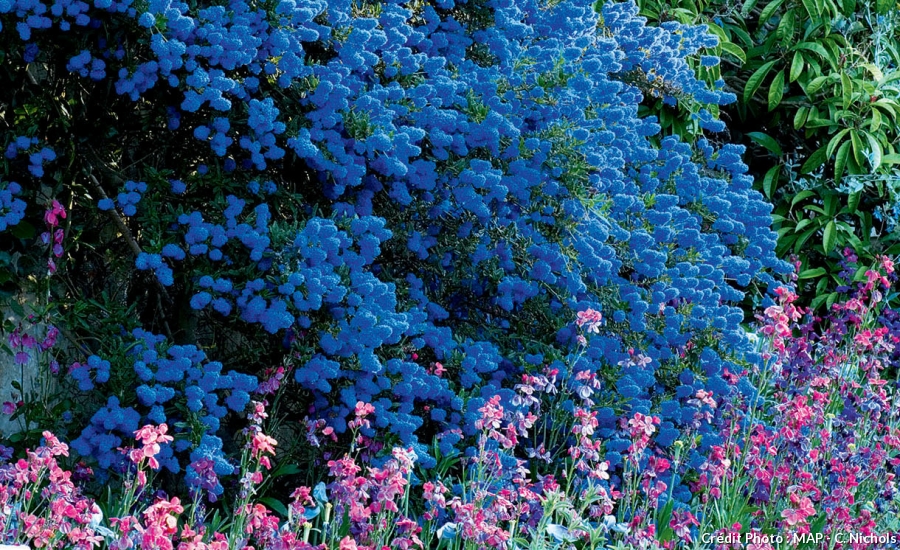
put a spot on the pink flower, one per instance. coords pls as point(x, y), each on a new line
point(804, 509)
point(262, 444)
point(54, 213)
point(590, 319)
point(643, 424)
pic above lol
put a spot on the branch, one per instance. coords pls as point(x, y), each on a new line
point(136, 248)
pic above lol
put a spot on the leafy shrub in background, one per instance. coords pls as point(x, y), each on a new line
point(818, 96)
point(402, 204)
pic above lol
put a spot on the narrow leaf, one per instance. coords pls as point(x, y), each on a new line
point(840, 162)
point(776, 90)
point(735, 50)
point(812, 273)
point(815, 85)
point(828, 237)
point(766, 141)
point(801, 196)
point(800, 117)
point(767, 11)
point(876, 120)
point(835, 141)
point(796, 66)
point(770, 181)
point(756, 79)
point(853, 201)
point(846, 90)
point(859, 153)
point(874, 150)
point(814, 161)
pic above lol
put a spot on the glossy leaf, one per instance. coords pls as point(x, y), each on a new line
point(814, 161)
point(875, 151)
point(840, 161)
point(828, 237)
point(766, 141)
point(846, 90)
point(776, 90)
point(812, 273)
point(770, 181)
point(756, 79)
point(796, 66)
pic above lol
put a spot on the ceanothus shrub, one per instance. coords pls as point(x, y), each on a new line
point(368, 190)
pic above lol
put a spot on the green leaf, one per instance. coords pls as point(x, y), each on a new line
point(735, 50)
point(756, 79)
point(770, 181)
point(812, 273)
point(814, 47)
point(859, 153)
point(747, 8)
point(815, 85)
point(835, 140)
point(853, 201)
point(796, 66)
point(275, 505)
point(873, 68)
point(786, 27)
point(814, 208)
point(831, 204)
point(286, 469)
point(875, 150)
point(840, 162)
point(814, 161)
point(344, 528)
point(801, 242)
point(662, 522)
point(776, 90)
point(804, 223)
point(767, 11)
point(893, 158)
point(800, 117)
point(846, 90)
point(811, 9)
point(876, 120)
point(817, 301)
point(766, 141)
point(828, 237)
point(801, 196)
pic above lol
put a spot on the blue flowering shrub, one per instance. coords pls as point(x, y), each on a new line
point(405, 204)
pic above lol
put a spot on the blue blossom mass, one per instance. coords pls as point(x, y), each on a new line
point(392, 186)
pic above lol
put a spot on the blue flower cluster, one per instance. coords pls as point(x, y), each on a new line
point(111, 427)
point(81, 372)
point(87, 66)
point(36, 159)
point(210, 448)
point(209, 239)
point(155, 263)
point(127, 200)
point(166, 376)
point(12, 209)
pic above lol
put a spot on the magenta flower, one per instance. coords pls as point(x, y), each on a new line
point(54, 214)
